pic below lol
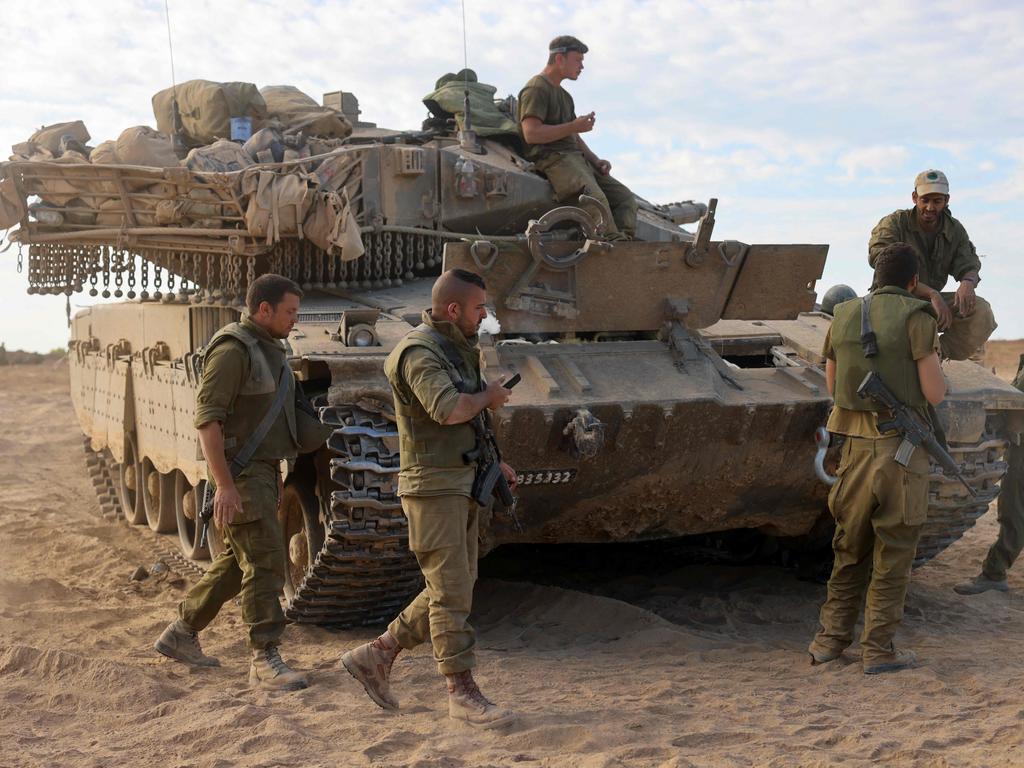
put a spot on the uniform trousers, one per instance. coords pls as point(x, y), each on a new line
point(879, 508)
point(966, 335)
point(1008, 545)
point(443, 534)
point(571, 175)
point(252, 564)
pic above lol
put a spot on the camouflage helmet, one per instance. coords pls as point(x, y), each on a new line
point(837, 294)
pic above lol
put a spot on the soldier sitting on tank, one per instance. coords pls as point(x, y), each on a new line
point(879, 506)
point(944, 248)
point(551, 132)
point(245, 366)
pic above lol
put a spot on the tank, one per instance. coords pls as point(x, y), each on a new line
point(671, 385)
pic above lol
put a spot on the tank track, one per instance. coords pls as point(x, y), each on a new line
point(951, 511)
point(365, 573)
point(100, 466)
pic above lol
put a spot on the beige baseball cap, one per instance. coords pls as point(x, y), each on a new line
point(931, 182)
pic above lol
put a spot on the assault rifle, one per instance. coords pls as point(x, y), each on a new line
point(911, 427)
point(489, 481)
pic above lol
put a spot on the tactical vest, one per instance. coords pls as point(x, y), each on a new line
point(422, 441)
point(256, 396)
point(891, 308)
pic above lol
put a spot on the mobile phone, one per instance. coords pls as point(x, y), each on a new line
point(512, 382)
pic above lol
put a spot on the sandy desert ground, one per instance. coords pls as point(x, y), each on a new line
point(700, 666)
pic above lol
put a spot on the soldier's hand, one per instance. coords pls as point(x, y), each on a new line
point(964, 298)
point(510, 475)
point(584, 123)
point(945, 314)
point(603, 167)
point(227, 504)
point(497, 395)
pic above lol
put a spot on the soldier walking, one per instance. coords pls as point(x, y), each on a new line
point(879, 506)
point(438, 389)
point(1008, 544)
point(246, 375)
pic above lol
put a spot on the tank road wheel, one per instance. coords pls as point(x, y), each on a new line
point(158, 498)
point(188, 500)
point(129, 479)
point(303, 534)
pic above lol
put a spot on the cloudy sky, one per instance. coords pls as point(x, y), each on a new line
point(808, 120)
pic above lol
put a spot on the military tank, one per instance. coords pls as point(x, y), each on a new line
point(671, 385)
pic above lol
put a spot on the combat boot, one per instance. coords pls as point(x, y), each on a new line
point(819, 656)
point(981, 583)
point(896, 661)
point(371, 664)
point(179, 641)
point(268, 670)
point(466, 703)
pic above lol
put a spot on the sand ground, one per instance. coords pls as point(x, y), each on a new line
point(703, 666)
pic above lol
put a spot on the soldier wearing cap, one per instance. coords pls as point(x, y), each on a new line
point(965, 319)
point(879, 505)
point(552, 133)
point(1008, 545)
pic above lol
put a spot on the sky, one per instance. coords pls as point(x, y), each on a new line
point(807, 120)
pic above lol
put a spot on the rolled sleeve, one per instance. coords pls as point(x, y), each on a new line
point(924, 335)
point(826, 349)
point(431, 383)
point(965, 257)
point(533, 102)
point(224, 371)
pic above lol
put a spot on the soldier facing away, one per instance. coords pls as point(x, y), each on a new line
point(245, 372)
point(435, 399)
point(879, 506)
point(1008, 545)
point(944, 249)
point(551, 131)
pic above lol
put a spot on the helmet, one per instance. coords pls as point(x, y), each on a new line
point(837, 294)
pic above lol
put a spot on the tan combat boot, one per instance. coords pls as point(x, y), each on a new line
point(465, 702)
point(267, 670)
point(370, 664)
point(179, 641)
point(894, 662)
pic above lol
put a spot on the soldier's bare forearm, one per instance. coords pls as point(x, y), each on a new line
point(467, 407)
point(211, 440)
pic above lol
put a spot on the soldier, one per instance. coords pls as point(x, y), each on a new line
point(965, 319)
point(551, 131)
point(878, 505)
point(435, 400)
point(245, 373)
point(1010, 541)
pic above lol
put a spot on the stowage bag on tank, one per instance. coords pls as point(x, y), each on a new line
point(206, 109)
point(448, 98)
point(298, 112)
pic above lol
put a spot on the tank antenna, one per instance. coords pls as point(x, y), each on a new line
point(178, 127)
point(467, 136)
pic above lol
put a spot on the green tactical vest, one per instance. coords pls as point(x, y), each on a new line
point(891, 308)
point(257, 395)
point(422, 441)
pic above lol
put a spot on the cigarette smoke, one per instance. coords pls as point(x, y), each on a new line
point(490, 324)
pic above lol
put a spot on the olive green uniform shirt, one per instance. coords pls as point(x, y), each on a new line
point(947, 252)
point(225, 372)
point(552, 105)
point(924, 340)
point(427, 378)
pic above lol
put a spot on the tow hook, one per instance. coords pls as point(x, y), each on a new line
point(587, 434)
point(822, 438)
